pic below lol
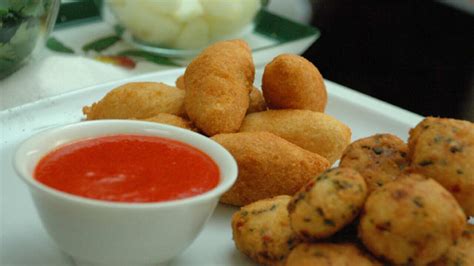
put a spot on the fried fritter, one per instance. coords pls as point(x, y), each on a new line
point(257, 103)
point(170, 119)
point(218, 82)
point(313, 131)
point(137, 100)
point(327, 203)
point(329, 254)
point(268, 166)
point(379, 158)
point(412, 220)
point(443, 149)
point(461, 253)
point(292, 82)
point(180, 82)
point(261, 230)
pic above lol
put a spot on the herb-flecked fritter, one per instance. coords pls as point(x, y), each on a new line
point(412, 220)
point(327, 203)
point(261, 230)
point(329, 254)
point(461, 253)
point(443, 149)
point(379, 158)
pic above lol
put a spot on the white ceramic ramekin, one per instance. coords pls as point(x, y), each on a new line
point(97, 232)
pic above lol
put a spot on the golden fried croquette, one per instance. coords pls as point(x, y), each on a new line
point(379, 158)
point(412, 220)
point(180, 82)
point(329, 254)
point(218, 82)
point(313, 131)
point(256, 101)
point(461, 253)
point(137, 100)
point(261, 230)
point(443, 149)
point(292, 82)
point(170, 119)
point(327, 203)
point(268, 166)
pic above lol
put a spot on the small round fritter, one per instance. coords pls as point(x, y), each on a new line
point(137, 100)
point(379, 158)
point(327, 203)
point(261, 230)
point(443, 149)
point(461, 253)
point(292, 82)
point(170, 119)
point(180, 82)
point(256, 102)
point(412, 220)
point(329, 254)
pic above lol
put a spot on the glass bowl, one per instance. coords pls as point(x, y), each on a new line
point(179, 28)
point(24, 28)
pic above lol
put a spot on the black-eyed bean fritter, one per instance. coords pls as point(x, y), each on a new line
point(261, 230)
point(379, 158)
point(327, 203)
point(411, 221)
point(443, 149)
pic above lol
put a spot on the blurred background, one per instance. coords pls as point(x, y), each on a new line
point(415, 54)
point(418, 55)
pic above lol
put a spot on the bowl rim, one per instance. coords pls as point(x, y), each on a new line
point(20, 161)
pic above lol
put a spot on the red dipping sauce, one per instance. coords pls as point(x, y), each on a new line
point(128, 168)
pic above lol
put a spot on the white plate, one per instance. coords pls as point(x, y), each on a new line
point(23, 239)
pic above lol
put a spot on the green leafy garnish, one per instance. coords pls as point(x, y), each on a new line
point(55, 45)
point(101, 44)
point(148, 56)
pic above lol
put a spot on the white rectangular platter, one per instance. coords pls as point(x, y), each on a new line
point(25, 242)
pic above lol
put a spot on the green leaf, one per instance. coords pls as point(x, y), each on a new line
point(148, 56)
point(119, 29)
point(57, 46)
point(101, 44)
point(3, 12)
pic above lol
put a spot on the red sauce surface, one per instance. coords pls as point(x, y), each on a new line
point(129, 168)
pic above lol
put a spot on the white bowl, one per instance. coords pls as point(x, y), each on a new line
point(98, 232)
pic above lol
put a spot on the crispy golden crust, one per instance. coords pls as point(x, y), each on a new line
point(137, 100)
point(257, 103)
point(443, 149)
point(313, 131)
point(328, 254)
point(170, 119)
point(292, 82)
point(261, 230)
point(218, 83)
point(379, 158)
point(180, 82)
point(412, 220)
point(327, 203)
point(268, 166)
point(461, 253)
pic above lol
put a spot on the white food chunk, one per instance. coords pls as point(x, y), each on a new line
point(188, 10)
point(194, 35)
